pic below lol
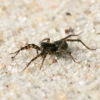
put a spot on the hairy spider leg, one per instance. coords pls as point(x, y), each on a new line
point(16, 53)
point(26, 47)
point(48, 40)
point(69, 53)
point(44, 56)
point(78, 40)
point(32, 60)
point(70, 36)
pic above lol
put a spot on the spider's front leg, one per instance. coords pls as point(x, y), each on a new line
point(47, 39)
point(70, 36)
point(69, 53)
point(43, 56)
point(26, 47)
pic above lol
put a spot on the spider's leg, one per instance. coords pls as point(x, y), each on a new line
point(26, 47)
point(32, 60)
point(69, 53)
point(70, 36)
point(43, 60)
point(16, 53)
point(78, 40)
point(47, 39)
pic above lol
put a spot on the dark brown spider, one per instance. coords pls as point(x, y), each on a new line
point(51, 48)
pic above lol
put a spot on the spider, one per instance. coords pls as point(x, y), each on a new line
point(46, 48)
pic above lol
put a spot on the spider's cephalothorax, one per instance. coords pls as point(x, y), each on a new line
point(51, 48)
point(61, 45)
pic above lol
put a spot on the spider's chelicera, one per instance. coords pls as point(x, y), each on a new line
point(46, 48)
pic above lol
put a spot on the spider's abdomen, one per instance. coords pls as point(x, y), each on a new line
point(48, 47)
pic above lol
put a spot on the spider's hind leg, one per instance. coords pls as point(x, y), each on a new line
point(26, 47)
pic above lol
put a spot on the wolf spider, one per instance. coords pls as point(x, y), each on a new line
point(46, 48)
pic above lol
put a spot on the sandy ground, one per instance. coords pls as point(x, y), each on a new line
point(30, 21)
